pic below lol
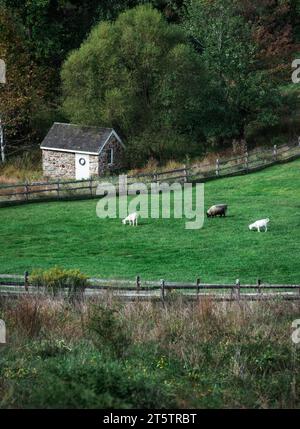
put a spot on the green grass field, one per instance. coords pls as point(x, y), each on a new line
point(69, 234)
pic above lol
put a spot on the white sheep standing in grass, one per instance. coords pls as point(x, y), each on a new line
point(131, 218)
point(262, 223)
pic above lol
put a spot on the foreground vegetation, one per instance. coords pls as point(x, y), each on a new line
point(69, 234)
point(138, 355)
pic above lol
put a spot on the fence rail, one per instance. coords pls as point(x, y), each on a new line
point(69, 189)
point(16, 285)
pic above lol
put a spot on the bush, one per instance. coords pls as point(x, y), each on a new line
point(107, 329)
point(46, 348)
point(161, 147)
point(80, 378)
point(56, 279)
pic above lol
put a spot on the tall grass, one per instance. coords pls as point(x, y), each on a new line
point(104, 353)
point(17, 169)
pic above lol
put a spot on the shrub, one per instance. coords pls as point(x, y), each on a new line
point(56, 279)
point(81, 378)
point(46, 348)
point(107, 329)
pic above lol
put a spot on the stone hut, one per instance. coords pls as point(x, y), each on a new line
point(74, 151)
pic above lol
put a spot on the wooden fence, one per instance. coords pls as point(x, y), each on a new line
point(16, 285)
point(71, 189)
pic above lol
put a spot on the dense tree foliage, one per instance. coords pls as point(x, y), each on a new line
point(54, 27)
point(212, 73)
point(138, 75)
point(240, 93)
point(17, 94)
point(274, 26)
point(38, 36)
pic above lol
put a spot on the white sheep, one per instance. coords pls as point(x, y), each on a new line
point(262, 223)
point(132, 219)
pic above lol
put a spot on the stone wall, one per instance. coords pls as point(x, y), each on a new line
point(118, 158)
point(94, 165)
point(58, 164)
point(62, 164)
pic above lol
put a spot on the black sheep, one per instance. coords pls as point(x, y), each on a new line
point(217, 210)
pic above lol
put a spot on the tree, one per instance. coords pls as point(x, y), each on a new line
point(137, 75)
point(48, 30)
point(239, 94)
point(273, 26)
point(16, 97)
point(54, 27)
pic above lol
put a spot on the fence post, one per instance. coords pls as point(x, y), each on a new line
point(26, 190)
point(198, 287)
point(162, 290)
point(26, 274)
point(138, 283)
point(275, 152)
point(238, 288)
point(217, 167)
point(91, 186)
point(258, 285)
point(232, 292)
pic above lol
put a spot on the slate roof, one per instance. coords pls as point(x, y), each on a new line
point(77, 138)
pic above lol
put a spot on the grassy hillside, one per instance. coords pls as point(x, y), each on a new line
point(69, 234)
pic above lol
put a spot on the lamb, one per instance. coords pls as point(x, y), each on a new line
point(131, 218)
point(217, 210)
point(262, 223)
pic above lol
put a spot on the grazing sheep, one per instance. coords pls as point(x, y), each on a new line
point(262, 223)
point(132, 219)
point(217, 210)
